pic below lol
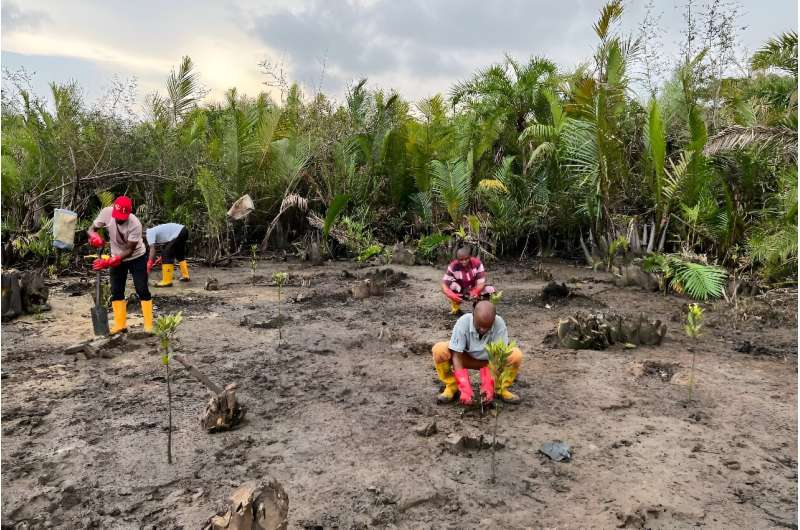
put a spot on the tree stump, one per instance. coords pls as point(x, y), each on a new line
point(255, 505)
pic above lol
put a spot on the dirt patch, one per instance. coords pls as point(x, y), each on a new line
point(388, 277)
point(191, 304)
point(84, 441)
point(661, 371)
point(257, 321)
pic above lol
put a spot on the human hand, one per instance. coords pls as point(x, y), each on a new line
point(100, 264)
point(96, 241)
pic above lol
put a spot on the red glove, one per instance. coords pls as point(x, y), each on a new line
point(455, 297)
point(100, 264)
point(150, 265)
point(476, 292)
point(96, 241)
point(464, 386)
point(114, 261)
point(487, 384)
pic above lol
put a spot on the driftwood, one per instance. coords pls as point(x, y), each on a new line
point(598, 331)
point(94, 348)
point(255, 505)
point(223, 411)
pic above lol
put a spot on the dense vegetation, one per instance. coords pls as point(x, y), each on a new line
point(521, 157)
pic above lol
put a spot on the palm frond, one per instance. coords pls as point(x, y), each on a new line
point(182, 89)
point(737, 137)
point(334, 210)
point(699, 281)
point(779, 52)
point(492, 185)
point(450, 182)
point(610, 13)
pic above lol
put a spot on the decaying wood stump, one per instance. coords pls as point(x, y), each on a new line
point(402, 256)
point(223, 412)
point(599, 331)
point(255, 505)
point(23, 293)
point(634, 275)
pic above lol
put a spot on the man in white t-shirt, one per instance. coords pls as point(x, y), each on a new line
point(127, 255)
point(172, 238)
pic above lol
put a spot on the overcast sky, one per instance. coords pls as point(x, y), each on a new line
point(419, 47)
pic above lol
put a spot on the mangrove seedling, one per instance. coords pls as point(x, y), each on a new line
point(253, 261)
point(166, 326)
point(499, 353)
point(280, 279)
point(694, 321)
point(496, 297)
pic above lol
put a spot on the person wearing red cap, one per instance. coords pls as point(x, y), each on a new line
point(127, 255)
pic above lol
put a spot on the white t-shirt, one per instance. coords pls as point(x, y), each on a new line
point(466, 339)
point(160, 234)
point(120, 234)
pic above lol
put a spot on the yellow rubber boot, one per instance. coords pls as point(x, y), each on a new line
point(184, 267)
point(455, 308)
point(445, 372)
point(166, 275)
point(506, 379)
point(120, 308)
point(147, 315)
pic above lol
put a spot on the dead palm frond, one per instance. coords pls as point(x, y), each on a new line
point(783, 139)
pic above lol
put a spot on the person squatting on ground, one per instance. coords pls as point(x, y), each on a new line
point(465, 278)
point(127, 255)
point(172, 237)
point(467, 350)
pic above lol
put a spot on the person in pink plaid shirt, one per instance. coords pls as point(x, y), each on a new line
point(465, 279)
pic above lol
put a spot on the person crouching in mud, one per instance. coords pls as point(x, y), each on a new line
point(467, 351)
point(465, 279)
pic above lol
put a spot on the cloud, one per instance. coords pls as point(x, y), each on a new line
point(15, 18)
point(432, 43)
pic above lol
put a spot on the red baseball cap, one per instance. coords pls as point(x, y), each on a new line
point(122, 208)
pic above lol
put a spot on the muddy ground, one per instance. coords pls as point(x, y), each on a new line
point(333, 412)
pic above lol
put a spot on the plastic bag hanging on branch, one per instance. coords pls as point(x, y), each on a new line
point(64, 222)
point(241, 208)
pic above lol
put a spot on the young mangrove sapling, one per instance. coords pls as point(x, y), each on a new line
point(499, 353)
point(166, 326)
point(694, 321)
point(280, 279)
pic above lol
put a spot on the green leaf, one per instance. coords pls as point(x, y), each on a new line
point(334, 210)
point(699, 281)
point(657, 143)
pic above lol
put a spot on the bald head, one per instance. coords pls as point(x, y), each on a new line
point(483, 316)
point(463, 253)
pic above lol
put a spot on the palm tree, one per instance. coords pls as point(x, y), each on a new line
point(504, 98)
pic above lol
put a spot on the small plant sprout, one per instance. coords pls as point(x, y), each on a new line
point(499, 353)
point(253, 260)
point(166, 326)
point(280, 279)
point(694, 321)
point(495, 297)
